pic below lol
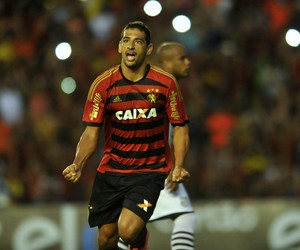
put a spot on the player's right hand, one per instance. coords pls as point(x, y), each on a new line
point(72, 172)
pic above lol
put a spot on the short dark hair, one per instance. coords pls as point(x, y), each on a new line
point(141, 26)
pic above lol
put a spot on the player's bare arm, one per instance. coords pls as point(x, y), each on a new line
point(85, 148)
point(181, 142)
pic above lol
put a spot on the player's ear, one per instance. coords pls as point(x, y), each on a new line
point(149, 49)
point(119, 47)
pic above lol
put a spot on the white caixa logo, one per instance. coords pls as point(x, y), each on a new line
point(135, 114)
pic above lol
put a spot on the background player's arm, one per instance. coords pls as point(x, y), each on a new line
point(181, 142)
point(85, 148)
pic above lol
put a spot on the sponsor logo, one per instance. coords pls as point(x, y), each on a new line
point(117, 99)
point(145, 205)
point(173, 104)
point(97, 99)
point(284, 232)
point(135, 114)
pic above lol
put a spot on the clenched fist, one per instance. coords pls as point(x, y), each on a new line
point(179, 174)
point(72, 172)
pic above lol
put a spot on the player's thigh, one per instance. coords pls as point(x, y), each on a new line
point(130, 224)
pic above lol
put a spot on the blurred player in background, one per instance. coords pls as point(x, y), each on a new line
point(174, 202)
point(135, 102)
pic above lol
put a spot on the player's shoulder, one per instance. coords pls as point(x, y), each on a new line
point(107, 74)
point(104, 79)
point(162, 74)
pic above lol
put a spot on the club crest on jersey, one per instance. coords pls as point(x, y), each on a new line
point(135, 114)
point(153, 95)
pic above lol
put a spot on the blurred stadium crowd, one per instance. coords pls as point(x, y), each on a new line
point(242, 97)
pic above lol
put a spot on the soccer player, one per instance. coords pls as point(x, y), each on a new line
point(134, 102)
point(174, 202)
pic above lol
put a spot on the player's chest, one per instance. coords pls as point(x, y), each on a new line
point(135, 97)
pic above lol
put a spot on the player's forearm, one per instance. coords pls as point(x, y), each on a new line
point(86, 146)
point(181, 143)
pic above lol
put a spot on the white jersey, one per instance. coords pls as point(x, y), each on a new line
point(170, 203)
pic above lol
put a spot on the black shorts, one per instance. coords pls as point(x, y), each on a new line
point(111, 192)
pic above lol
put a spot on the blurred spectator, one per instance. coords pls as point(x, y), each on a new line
point(220, 125)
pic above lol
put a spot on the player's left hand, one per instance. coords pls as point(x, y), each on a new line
point(180, 174)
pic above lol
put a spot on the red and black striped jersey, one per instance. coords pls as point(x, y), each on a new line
point(136, 117)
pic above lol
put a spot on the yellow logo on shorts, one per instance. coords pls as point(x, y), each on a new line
point(145, 205)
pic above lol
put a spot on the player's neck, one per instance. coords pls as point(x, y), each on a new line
point(134, 74)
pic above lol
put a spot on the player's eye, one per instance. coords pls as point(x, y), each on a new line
point(139, 42)
point(125, 40)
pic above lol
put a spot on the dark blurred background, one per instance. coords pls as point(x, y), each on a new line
point(242, 97)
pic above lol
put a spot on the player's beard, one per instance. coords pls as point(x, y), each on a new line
point(182, 74)
point(134, 64)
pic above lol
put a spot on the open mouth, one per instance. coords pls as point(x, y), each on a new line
point(130, 56)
